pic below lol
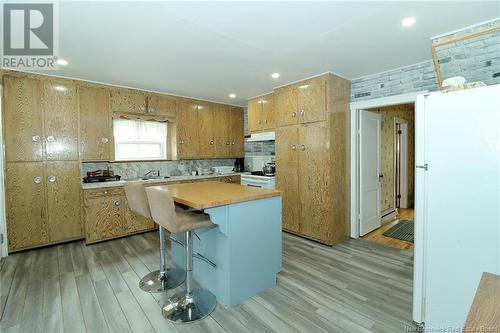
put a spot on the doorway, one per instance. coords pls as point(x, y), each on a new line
point(396, 168)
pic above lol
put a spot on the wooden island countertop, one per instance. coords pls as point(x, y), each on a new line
point(211, 194)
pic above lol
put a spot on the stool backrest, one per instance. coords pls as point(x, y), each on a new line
point(162, 208)
point(137, 198)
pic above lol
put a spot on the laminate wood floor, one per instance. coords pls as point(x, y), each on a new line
point(356, 286)
point(377, 235)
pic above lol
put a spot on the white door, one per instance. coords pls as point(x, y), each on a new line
point(369, 171)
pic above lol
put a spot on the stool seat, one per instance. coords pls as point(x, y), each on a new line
point(191, 220)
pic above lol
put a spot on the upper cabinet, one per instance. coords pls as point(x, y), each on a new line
point(186, 130)
point(161, 104)
point(222, 131)
point(95, 136)
point(261, 113)
point(237, 133)
point(304, 102)
point(206, 130)
point(61, 120)
point(127, 101)
point(24, 137)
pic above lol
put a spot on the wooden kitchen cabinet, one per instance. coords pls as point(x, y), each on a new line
point(95, 129)
point(237, 133)
point(222, 131)
point(311, 99)
point(135, 223)
point(104, 214)
point(26, 205)
point(186, 128)
point(287, 179)
point(285, 106)
point(60, 120)
point(63, 200)
point(206, 130)
point(161, 104)
point(127, 101)
point(23, 116)
point(236, 179)
point(261, 113)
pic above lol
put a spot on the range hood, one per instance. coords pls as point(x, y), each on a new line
point(264, 136)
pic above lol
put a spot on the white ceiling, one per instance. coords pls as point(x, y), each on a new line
point(210, 49)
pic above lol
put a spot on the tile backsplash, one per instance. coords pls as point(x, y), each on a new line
point(167, 168)
point(259, 148)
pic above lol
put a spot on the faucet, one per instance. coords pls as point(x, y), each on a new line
point(151, 171)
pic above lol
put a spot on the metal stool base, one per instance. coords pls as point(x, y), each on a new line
point(153, 283)
point(180, 309)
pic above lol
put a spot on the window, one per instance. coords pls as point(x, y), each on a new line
point(139, 140)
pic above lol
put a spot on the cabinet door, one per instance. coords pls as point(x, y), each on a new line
point(206, 130)
point(94, 124)
point(255, 115)
point(25, 201)
point(237, 133)
point(23, 129)
point(136, 223)
point(162, 105)
point(312, 100)
point(187, 130)
point(287, 175)
point(222, 128)
point(285, 106)
point(129, 101)
point(268, 112)
point(61, 121)
point(314, 181)
point(63, 200)
point(104, 217)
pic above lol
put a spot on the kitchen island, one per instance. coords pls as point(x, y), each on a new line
point(245, 242)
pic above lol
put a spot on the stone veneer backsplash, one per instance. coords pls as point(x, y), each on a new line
point(167, 168)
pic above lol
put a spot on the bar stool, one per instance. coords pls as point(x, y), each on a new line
point(164, 278)
point(191, 304)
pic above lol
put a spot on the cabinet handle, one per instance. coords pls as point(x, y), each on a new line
point(228, 143)
point(117, 202)
point(302, 147)
point(51, 179)
point(212, 142)
point(35, 138)
point(294, 147)
point(259, 122)
point(104, 140)
point(302, 112)
point(50, 138)
point(151, 110)
point(37, 180)
point(181, 142)
point(233, 143)
point(265, 121)
point(294, 114)
point(142, 108)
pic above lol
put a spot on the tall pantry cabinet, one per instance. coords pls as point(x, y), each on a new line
point(42, 162)
point(311, 157)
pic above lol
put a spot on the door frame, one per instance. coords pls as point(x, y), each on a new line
point(355, 108)
point(4, 251)
point(403, 170)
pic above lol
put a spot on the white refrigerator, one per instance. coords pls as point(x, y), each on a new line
point(457, 201)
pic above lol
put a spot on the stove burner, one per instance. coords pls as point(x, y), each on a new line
point(260, 173)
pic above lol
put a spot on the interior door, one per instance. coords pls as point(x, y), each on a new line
point(237, 133)
point(206, 130)
point(24, 139)
point(314, 181)
point(187, 130)
point(369, 171)
point(63, 200)
point(222, 128)
point(61, 121)
point(287, 176)
point(312, 100)
point(25, 201)
point(94, 124)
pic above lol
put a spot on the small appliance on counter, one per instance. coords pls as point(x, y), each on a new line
point(239, 165)
point(223, 170)
point(98, 176)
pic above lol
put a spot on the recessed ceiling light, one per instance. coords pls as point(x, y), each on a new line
point(408, 21)
point(232, 95)
point(275, 75)
point(62, 62)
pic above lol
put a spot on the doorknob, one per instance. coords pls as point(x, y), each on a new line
point(425, 166)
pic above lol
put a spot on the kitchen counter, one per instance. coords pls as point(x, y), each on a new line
point(171, 179)
point(213, 194)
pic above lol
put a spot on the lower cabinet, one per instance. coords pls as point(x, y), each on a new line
point(108, 216)
point(231, 179)
point(43, 203)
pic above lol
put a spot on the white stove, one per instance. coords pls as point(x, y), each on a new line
point(255, 177)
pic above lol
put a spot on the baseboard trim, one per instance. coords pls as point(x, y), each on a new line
point(389, 215)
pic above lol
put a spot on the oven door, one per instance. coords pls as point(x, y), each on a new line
point(255, 182)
